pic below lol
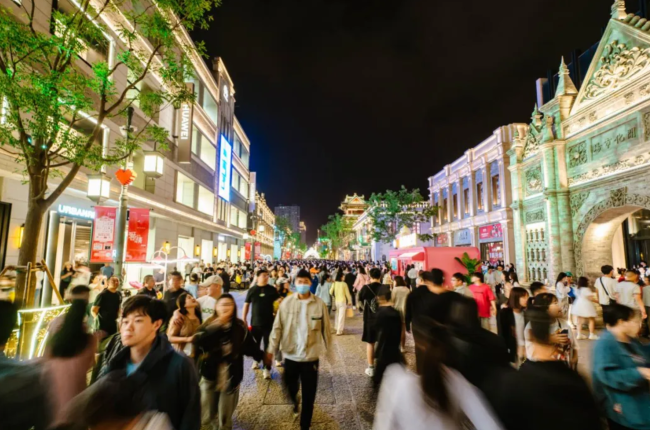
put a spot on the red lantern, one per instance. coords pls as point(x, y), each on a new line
point(125, 176)
point(253, 232)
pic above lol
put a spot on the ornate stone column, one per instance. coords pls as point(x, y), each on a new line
point(519, 227)
point(450, 204)
point(461, 199)
point(550, 196)
point(472, 193)
point(487, 186)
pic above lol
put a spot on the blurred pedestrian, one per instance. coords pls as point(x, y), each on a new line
point(621, 370)
point(184, 324)
point(106, 308)
point(485, 300)
point(368, 300)
point(389, 335)
point(323, 291)
point(399, 297)
point(585, 309)
point(342, 298)
point(512, 325)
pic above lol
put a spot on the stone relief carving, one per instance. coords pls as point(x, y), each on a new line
point(535, 216)
point(548, 134)
point(578, 154)
point(646, 126)
point(644, 90)
point(629, 98)
point(617, 65)
point(533, 180)
point(576, 201)
point(606, 169)
point(618, 198)
point(535, 134)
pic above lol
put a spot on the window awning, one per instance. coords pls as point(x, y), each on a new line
point(415, 256)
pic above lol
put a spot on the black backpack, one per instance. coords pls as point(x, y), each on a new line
point(373, 304)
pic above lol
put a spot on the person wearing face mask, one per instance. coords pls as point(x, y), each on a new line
point(303, 333)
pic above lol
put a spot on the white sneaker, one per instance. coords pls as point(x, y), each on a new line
point(370, 371)
point(278, 364)
point(593, 337)
point(581, 337)
point(266, 374)
point(255, 365)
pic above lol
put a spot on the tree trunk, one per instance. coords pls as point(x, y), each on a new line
point(33, 223)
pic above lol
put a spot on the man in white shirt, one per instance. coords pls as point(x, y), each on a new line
point(302, 331)
point(629, 293)
point(413, 275)
point(208, 302)
point(606, 286)
point(490, 277)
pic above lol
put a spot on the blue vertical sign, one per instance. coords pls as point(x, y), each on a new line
point(225, 165)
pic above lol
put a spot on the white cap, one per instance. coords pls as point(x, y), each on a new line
point(214, 279)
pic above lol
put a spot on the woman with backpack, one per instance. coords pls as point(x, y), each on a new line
point(221, 343)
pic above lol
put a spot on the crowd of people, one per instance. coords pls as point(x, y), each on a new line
point(490, 353)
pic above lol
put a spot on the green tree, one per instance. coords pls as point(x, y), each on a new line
point(392, 210)
point(470, 264)
point(336, 230)
point(49, 86)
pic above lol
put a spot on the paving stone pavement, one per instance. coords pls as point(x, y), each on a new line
point(345, 398)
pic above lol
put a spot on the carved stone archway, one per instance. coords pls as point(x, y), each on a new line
point(613, 210)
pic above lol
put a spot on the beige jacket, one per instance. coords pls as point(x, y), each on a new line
point(284, 333)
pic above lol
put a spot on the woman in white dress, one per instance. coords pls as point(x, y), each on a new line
point(584, 308)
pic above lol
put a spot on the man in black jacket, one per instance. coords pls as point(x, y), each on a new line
point(226, 279)
point(170, 378)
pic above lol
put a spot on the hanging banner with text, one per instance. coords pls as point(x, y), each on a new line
point(103, 244)
point(258, 251)
point(138, 237)
point(247, 251)
point(184, 129)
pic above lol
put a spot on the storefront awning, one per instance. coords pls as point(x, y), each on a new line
point(415, 256)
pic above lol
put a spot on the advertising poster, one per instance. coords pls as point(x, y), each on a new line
point(103, 235)
point(225, 165)
point(489, 232)
point(138, 237)
point(258, 251)
point(247, 251)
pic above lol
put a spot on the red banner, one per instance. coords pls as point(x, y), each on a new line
point(138, 237)
point(493, 231)
point(103, 235)
point(258, 251)
point(247, 251)
point(441, 239)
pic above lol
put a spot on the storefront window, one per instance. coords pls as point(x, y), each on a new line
point(455, 206)
point(479, 196)
point(444, 210)
point(184, 190)
point(243, 187)
point(245, 156)
point(496, 196)
point(233, 215)
point(222, 209)
point(210, 106)
point(196, 139)
point(206, 201)
point(242, 220)
point(208, 153)
point(466, 200)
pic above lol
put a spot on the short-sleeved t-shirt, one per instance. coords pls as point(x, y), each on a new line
point(626, 291)
point(109, 308)
point(261, 300)
point(207, 304)
point(483, 295)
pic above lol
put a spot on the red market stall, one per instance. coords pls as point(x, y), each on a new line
point(426, 258)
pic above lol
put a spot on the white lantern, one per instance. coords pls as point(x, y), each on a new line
point(261, 229)
point(154, 163)
point(99, 187)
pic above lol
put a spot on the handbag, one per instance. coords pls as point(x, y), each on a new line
point(349, 313)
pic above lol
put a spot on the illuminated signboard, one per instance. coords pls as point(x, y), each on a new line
point(76, 212)
point(185, 115)
point(225, 165)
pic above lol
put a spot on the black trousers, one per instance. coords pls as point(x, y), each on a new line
point(353, 295)
point(262, 334)
point(305, 374)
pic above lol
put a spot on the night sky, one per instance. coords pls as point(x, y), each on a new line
point(343, 96)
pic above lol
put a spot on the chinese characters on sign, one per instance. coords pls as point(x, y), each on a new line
point(103, 235)
point(137, 239)
point(225, 160)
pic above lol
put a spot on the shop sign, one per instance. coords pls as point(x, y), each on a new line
point(495, 252)
point(138, 237)
point(185, 114)
point(225, 164)
point(103, 243)
point(407, 241)
point(441, 239)
point(247, 251)
point(489, 232)
point(462, 237)
point(76, 212)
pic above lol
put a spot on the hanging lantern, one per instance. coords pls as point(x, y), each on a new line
point(99, 187)
point(154, 164)
point(197, 250)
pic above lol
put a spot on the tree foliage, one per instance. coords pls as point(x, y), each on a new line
point(335, 231)
point(392, 210)
point(470, 264)
point(60, 87)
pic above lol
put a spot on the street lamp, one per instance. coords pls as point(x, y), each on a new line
point(197, 250)
point(99, 187)
point(154, 164)
point(261, 228)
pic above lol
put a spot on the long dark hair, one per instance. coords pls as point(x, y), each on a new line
point(561, 276)
point(215, 315)
point(515, 294)
point(180, 302)
point(72, 337)
point(434, 350)
point(399, 281)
